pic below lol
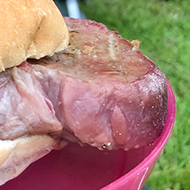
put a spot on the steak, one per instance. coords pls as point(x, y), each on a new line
point(100, 91)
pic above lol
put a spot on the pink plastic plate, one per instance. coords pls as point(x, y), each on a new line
point(76, 168)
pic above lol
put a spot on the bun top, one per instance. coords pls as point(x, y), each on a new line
point(30, 29)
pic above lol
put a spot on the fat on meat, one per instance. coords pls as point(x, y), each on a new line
point(24, 107)
point(100, 91)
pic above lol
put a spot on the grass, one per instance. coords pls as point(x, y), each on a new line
point(163, 28)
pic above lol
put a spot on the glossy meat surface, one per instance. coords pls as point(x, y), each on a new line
point(24, 107)
point(100, 90)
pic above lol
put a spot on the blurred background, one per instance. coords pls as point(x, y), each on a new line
point(163, 27)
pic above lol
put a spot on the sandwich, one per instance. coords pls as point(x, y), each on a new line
point(28, 29)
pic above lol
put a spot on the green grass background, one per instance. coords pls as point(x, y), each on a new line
point(163, 27)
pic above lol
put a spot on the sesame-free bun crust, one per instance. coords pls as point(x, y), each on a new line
point(16, 155)
point(30, 29)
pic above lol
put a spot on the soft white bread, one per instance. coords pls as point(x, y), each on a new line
point(17, 155)
point(30, 29)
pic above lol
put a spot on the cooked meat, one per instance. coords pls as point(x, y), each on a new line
point(101, 91)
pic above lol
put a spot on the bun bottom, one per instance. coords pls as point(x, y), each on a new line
point(16, 155)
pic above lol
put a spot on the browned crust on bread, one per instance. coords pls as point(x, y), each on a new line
point(30, 29)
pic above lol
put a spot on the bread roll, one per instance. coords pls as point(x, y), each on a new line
point(30, 29)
